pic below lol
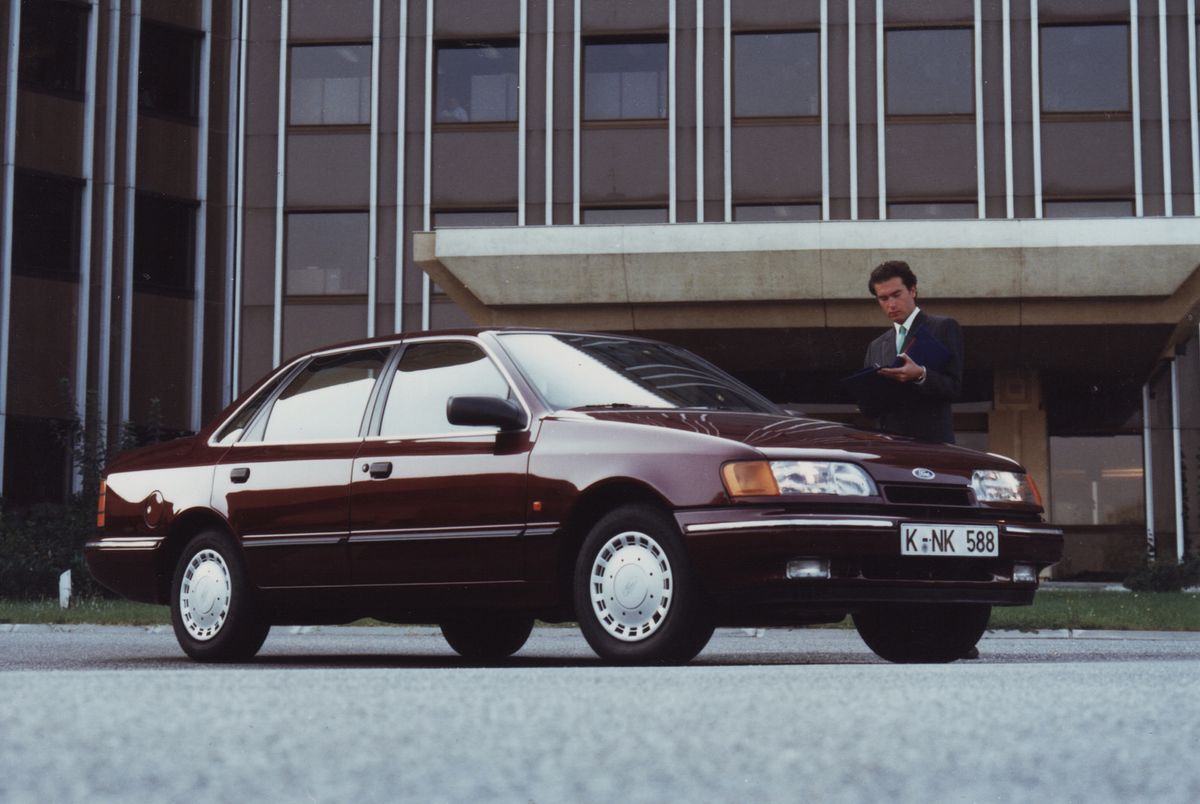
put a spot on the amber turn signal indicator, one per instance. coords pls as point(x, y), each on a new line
point(100, 503)
point(749, 479)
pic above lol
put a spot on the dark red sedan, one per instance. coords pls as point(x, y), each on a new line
point(482, 479)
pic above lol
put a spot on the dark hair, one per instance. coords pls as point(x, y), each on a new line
point(890, 270)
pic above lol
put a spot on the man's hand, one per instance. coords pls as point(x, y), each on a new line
point(908, 372)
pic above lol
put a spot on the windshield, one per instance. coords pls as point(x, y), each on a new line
point(582, 371)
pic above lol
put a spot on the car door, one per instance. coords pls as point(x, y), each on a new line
point(285, 485)
point(431, 502)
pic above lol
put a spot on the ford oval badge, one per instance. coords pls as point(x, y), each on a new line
point(923, 474)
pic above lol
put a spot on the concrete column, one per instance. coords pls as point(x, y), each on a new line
point(1017, 424)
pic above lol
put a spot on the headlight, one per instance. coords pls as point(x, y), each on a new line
point(774, 478)
point(1004, 487)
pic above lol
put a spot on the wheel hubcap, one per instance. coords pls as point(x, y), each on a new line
point(204, 595)
point(631, 586)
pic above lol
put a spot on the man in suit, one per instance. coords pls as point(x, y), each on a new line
point(921, 405)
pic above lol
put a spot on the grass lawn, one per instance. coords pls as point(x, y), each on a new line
point(1146, 611)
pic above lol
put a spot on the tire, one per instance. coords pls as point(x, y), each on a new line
point(636, 598)
point(213, 609)
point(487, 638)
point(922, 633)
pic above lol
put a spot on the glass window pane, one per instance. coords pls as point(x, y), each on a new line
point(327, 400)
point(476, 83)
point(330, 85)
point(327, 253)
point(1097, 480)
point(53, 44)
point(777, 212)
point(486, 217)
point(625, 80)
point(168, 70)
point(1085, 68)
point(930, 71)
point(427, 376)
point(776, 75)
point(164, 248)
point(626, 215)
point(45, 225)
point(955, 210)
point(1088, 209)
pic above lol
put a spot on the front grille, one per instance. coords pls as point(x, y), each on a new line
point(931, 569)
point(905, 494)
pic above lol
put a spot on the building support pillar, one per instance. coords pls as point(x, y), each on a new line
point(1017, 424)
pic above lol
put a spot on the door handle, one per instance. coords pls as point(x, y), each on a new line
point(240, 474)
point(381, 469)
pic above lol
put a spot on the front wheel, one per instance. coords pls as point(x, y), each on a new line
point(636, 598)
point(924, 633)
point(213, 609)
point(485, 638)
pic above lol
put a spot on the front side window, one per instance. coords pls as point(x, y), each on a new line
point(327, 399)
point(45, 225)
point(776, 75)
point(930, 71)
point(169, 70)
point(164, 244)
point(427, 376)
point(53, 45)
point(1085, 68)
point(477, 83)
point(327, 253)
point(330, 85)
point(625, 80)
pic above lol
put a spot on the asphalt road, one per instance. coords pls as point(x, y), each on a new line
point(353, 714)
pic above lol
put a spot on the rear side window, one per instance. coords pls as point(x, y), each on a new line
point(327, 399)
point(427, 376)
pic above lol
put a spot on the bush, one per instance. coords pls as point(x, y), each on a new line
point(36, 546)
point(1164, 576)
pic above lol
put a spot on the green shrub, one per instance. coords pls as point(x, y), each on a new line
point(37, 545)
point(1164, 576)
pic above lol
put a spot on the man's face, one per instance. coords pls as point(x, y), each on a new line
point(896, 301)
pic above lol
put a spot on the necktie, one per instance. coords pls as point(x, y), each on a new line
point(900, 338)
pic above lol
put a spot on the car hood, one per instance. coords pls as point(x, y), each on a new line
point(888, 457)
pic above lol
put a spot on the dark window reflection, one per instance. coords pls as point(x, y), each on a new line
point(776, 75)
point(932, 210)
point(168, 70)
point(625, 80)
point(1113, 208)
point(626, 215)
point(930, 71)
point(45, 225)
point(1097, 480)
point(477, 83)
point(164, 244)
point(777, 212)
point(53, 46)
point(327, 253)
point(330, 85)
point(1085, 68)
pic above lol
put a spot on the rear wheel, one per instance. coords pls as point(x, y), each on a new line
point(488, 637)
point(213, 609)
point(636, 598)
point(922, 633)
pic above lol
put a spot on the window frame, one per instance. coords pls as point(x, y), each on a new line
point(899, 117)
point(292, 46)
point(622, 39)
point(773, 119)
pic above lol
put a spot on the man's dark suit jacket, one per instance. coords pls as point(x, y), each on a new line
point(921, 411)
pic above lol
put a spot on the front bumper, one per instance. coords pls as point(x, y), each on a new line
point(128, 565)
point(741, 557)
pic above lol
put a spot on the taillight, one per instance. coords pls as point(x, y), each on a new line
point(100, 504)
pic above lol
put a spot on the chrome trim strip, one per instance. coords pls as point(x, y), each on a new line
point(318, 537)
point(436, 534)
point(543, 530)
point(288, 542)
point(1021, 529)
point(126, 543)
point(791, 523)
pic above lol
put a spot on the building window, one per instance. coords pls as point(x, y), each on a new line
point(327, 253)
point(920, 210)
point(1097, 480)
point(930, 71)
point(169, 71)
point(455, 219)
point(45, 225)
point(777, 212)
point(164, 244)
point(477, 83)
point(618, 215)
point(330, 85)
point(53, 46)
point(625, 80)
point(776, 75)
point(1109, 208)
point(1085, 68)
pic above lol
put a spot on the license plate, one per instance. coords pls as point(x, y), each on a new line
point(949, 540)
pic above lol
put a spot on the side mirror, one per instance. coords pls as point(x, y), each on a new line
point(485, 411)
